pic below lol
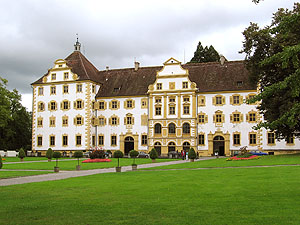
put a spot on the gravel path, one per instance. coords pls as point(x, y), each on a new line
point(68, 174)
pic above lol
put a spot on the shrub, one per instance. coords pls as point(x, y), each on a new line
point(118, 154)
point(1, 164)
point(56, 155)
point(192, 154)
point(21, 153)
point(153, 154)
point(78, 154)
point(49, 153)
point(133, 154)
point(97, 154)
point(109, 151)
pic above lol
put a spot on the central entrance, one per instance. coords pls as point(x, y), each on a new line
point(129, 145)
point(218, 145)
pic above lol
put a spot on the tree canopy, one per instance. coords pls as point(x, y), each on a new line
point(15, 121)
point(273, 58)
point(207, 54)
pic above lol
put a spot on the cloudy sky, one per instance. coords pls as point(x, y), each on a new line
point(34, 33)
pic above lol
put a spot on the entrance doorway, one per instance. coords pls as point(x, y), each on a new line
point(219, 145)
point(171, 147)
point(129, 145)
point(186, 146)
point(157, 147)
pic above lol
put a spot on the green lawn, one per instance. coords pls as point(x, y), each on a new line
point(11, 174)
point(71, 164)
point(221, 162)
point(227, 196)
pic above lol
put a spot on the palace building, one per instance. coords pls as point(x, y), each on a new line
point(170, 108)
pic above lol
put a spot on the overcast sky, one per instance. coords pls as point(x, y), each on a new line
point(34, 33)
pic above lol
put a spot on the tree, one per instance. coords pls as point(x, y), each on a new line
point(133, 154)
point(207, 54)
point(21, 154)
point(78, 154)
point(118, 154)
point(153, 154)
point(49, 154)
point(273, 59)
point(15, 121)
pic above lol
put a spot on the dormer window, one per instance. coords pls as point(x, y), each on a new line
point(159, 86)
point(185, 85)
point(59, 65)
point(116, 89)
point(53, 76)
point(66, 76)
point(239, 83)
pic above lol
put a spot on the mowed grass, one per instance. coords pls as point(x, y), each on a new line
point(11, 174)
point(221, 162)
point(71, 164)
point(223, 196)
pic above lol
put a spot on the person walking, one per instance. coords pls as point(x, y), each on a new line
point(182, 154)
point(187, 155)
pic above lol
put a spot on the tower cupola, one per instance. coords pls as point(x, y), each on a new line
point(77, 45)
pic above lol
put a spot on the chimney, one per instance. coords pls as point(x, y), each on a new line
point(222, 59)
point(107, 68)
point(136, 66)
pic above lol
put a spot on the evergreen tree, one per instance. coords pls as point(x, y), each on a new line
point(273, 58)
point(207, 54)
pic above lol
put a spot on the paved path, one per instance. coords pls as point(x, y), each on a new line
point(68, 174)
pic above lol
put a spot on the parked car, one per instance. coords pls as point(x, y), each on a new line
point(258, 153)
point(143, 155)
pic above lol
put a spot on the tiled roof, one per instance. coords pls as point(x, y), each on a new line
point(209, 77)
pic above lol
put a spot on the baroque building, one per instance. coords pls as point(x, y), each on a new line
point(170, 108)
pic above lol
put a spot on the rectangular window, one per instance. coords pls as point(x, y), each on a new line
point(201, 139)
point(129, 103)
point(186, 99)
point(53, 106)
point(65, 105)
point(65, 140)
point(79, 104)
point(219, 100)
point(184, 85)
point(236, 117)
point(52, 90)
point(52, 122)
point(41, 91)
point(158, 110)
point(144, 139)
point(144, 103)
point(79, 88)
point(128, 120)
point(53, 76)
point(201, 118)
point(236, 100)
point(66, 89)
point(101, 122)
point(186, 109)
point(172, 99)
point(271, 138)
point(40, 122)
point(65, 122)
point(218, 118)
point(78, 120)
point(252, 140)
point(101, 105)
point(172, 110)
point(93, 140)
point(157, 100)
point(290, 140)
point(236, 139)
point(52, 140)
point(159, 86)
point(114, 104)
point(101, 140)
point(40, 141)
point(66, 76)
point(113, 140)
point(78, 139)
point(93, 88)
point(252, 117)
point(114, 121)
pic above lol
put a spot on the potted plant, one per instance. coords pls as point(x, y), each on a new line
point(56, 155)
point(1, 164)
point(22, 154)
point(192, 155)
point(78, 154)
point(153, 155)
point(133, 154)
point(49, 154)
point(118, 154)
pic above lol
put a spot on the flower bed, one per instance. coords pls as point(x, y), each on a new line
point(243, 158)
point(96, 160)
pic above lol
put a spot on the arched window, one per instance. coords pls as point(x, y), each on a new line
point(157, 128)
point(186, 128)
point(186, 146)
point(172, 128)
point(171, 147)
point(157, 147)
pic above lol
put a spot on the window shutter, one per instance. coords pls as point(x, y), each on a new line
point(105, 105)
point(214, 100)
point(49, 106)
point(214, 118)
point(133, 104)
point(241, 99)
point(125, 118)
point(231, 118)
point(223, 100)
point(132, 120)
point(125, 104)
point(74, 104)
point(118, 104)
point(223, 118)
point(231, 100)
point(110, 121)
point(61, 105)
point(74, 120)
point(118, 121)
point(82, 104)
point(206, 118)
point(82, 120)
point(241, 117)
point(110, 105)
point(69, 104)
point(96, 105)
point(247, 117)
